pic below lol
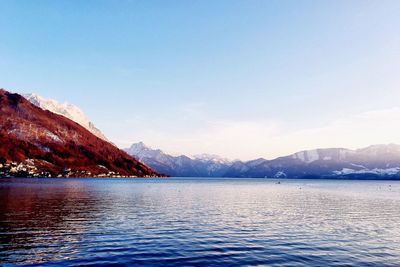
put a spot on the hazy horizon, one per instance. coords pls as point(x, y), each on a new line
point(242, 80)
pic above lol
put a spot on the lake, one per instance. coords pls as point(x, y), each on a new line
point(205, 222)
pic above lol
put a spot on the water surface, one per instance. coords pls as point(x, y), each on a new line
point(224, 222)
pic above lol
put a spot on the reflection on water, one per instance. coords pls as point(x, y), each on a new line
point(192, 222)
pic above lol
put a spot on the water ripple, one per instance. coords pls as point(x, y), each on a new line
point(242, 222)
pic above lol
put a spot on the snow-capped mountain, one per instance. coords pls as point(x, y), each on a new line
point(377, 161)
point(67, 110)
point(182, 166)
point(140, 150)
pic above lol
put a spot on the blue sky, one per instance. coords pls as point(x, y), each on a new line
point(243, 79)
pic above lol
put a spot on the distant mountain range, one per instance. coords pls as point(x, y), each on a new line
point(179, 166)
point(377, 161)
point(37, 142)
point(41, 137)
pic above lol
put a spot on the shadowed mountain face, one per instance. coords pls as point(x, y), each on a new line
point(378, 161)
point(47, 142)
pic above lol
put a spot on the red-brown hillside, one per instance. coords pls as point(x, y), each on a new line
point(56, 143)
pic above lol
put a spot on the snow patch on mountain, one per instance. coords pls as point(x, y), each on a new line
point(377, 171)
point(52, 136)
point(307, 156)
point(358, 165)
point(280, 174)
point(211, 157)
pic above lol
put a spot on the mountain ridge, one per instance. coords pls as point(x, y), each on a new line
point(65, 109)
point(182, 166)
point(375, 161)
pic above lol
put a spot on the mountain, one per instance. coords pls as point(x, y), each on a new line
point(37, 142)
point(377, 161)
point(67, 110)
point(179, 166)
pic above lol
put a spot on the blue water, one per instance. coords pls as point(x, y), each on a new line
point(203, 222)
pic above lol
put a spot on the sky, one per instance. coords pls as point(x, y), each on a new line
point(241, 79)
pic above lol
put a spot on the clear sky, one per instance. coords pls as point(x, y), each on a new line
point(243, 79)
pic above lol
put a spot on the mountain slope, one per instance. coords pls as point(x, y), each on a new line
point(67, 110)
point(40, 140)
